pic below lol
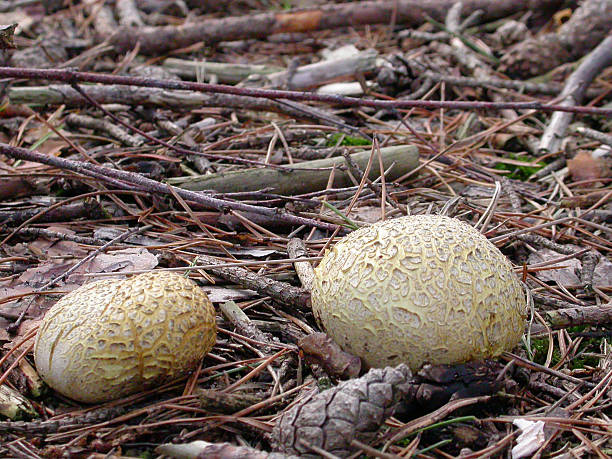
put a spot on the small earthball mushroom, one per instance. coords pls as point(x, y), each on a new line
point(112, 338)
point(419, 289)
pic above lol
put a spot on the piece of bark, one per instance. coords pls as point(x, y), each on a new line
point(13, 188)
point(23, 377)
point(102, 18)
point(7, 32)
point(585, 263)
point(13, 405)
point(586, 28)
point(411, 13)
point(594, 134)
point(128, 13)
point(106, 126)
point(305, 177)
point(50, 55)
point(320, 349)
point(586, 200)
point(312, 75)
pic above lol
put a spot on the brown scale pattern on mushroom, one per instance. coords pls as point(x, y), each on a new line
point(112, 338)
point(418, 289)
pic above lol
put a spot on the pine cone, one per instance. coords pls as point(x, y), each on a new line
point(354, 409)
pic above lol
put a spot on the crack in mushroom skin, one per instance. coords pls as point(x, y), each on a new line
point(416, 290)
point(112, 338)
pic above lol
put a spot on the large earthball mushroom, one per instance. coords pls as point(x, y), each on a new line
point(419, 289)
point(112, 338)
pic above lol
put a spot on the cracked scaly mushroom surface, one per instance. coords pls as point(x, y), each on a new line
point(112, 338)
point(419, 289)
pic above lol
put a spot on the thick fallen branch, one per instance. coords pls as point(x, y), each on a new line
point(304, 77)
point(154, 97)
point(138, 182)
point(314, 176)
point(68, 76)
point(587, 26)
point(573, 93)
point(159, 40)
point(572, 317)
point(282, 292)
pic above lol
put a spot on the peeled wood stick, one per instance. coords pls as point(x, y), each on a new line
point(159, 40)
point(296, 249)
point(573, 93)
point(224, 72)
point(305, 177)
point(306, 76)
point(311, 75)
point(157, 97)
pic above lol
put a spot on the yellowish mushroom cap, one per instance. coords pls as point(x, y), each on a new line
point(419, 289)
point(112, 338)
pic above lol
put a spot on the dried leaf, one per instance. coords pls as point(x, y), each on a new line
point(585, 166)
